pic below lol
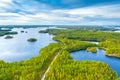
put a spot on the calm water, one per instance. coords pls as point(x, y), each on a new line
point(18, 48)
point(99, 56)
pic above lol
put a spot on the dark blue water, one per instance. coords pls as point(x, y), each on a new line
point(99, 56)
point(18, 48)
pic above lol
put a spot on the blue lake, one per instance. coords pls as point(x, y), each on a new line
point(99, 56)
point(18, 48)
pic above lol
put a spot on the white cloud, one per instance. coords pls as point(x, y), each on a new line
point(5, 4)
point(86, 15)
point(109, 11)
point(9, 14)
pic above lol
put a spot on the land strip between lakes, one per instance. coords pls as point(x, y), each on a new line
point(47, 70)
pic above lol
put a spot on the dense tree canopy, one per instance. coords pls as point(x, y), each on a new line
point(92, 49)
point(110, 41)
point(64, 68)
point(112, 47)
point(2, 33)
point(31, 69)
point(84, 35)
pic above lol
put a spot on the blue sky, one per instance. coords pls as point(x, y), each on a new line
point(64, 12)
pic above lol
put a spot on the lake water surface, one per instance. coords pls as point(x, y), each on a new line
point(99, 56)
point(18, 48)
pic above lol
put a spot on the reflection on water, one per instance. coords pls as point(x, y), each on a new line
point(99, 56)
point(18, 48)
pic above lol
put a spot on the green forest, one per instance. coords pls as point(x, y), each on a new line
point(2, 33)
point(31, 69)
point(92, 49)
point(109, 41)
point(59, 39)
point(111, 46)
point(84, 35)
point(64, 67)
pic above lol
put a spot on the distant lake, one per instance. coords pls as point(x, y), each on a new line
point(99, 56)
point(18, 48)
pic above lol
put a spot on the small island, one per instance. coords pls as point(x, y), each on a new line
point(92, 49)
point(43, 31)
point(32, 40)
point(8, 37)
point(22, 31)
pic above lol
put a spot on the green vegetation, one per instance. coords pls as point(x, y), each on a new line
point(43, 31)
point(22, 31)
point(8, 37)
point(118, 79)
point(111, 46)
point(31, 69)
point(32, 40)
point(2, 33)
point(74, 45)
point(84, 35)
point(110, 41)
point(13, 32)
point(93, 28)
point(64, 68)
point(92, 49)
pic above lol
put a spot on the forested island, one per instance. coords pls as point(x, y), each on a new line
point(92, 49)
point(55, 63)
point(32, 40)
point(8, 37)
